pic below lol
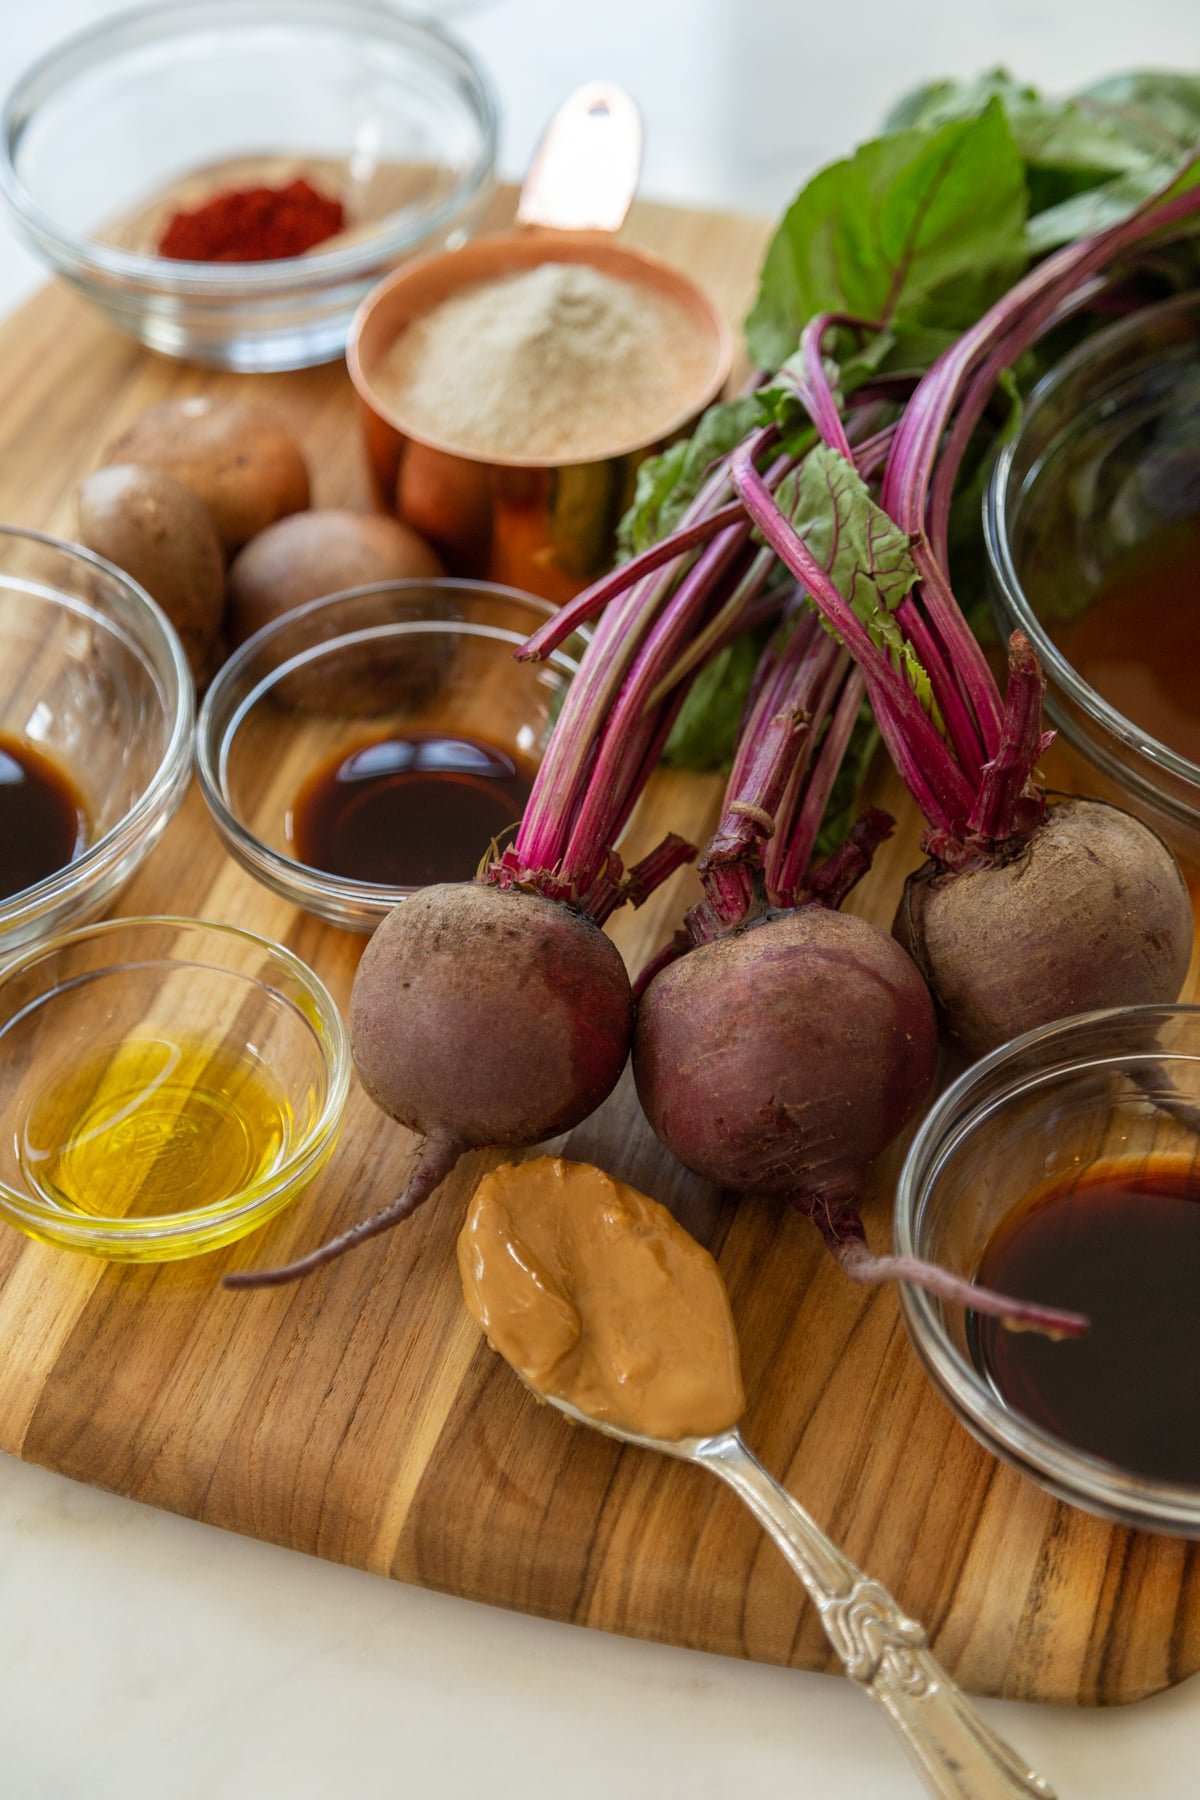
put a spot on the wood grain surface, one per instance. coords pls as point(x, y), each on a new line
point(360, 1417)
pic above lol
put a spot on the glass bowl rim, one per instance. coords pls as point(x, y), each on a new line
point(1072, 1474)
point(283, 275)
point(284, 873)
point(169, 774)
point(996, 509)
point(333, 1038)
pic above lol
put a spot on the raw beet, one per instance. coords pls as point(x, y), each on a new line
point(780, 1058)
point(488, 1017)
point(478, 1016)
point(1091, 911)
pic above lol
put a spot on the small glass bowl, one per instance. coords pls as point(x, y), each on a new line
point(157, 107)
point(330, 676)
point(92, 674)
point(1115, 1084)
point(1106, 455)
point(173, 983)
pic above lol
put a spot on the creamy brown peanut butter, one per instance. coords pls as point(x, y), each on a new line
point(597, 1296)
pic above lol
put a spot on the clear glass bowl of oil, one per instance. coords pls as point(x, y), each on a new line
point(166, 1086)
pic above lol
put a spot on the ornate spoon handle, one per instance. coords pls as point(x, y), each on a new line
point(959, 1757)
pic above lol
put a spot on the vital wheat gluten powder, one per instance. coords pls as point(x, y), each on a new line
point(558, 363)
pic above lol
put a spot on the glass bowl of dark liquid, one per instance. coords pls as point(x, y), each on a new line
point(1092, 523)
point(96, 708)
point(1065, 1168)
point(378, 741)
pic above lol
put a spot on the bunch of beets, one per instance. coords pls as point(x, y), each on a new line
point(779, 1044)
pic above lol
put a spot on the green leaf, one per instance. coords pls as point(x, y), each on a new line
point(704, 734)
point(1161, 102)
point(1108, 204)
point(903, 216)
point(935, 102)
point(1091, 159)
point(867, 556)
point(668, 482)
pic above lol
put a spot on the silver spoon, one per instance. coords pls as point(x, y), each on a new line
point(958, 1756)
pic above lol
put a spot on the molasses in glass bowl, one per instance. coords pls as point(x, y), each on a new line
point(377, 741)
point(1063, 1169)
point(96, 711)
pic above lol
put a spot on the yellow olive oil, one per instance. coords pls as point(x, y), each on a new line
point(153, 1125)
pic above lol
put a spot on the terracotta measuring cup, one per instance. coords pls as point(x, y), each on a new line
point(543, 527)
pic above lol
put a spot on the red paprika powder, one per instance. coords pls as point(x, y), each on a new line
point(257, 224)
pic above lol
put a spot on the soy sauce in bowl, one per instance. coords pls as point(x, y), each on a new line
point(43, 824)
point(408, 809)
point(1122, 1245)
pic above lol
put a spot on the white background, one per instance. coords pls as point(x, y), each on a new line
point(144, 1657)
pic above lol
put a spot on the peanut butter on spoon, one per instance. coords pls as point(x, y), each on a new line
point(597, 1296)
point(612, 1313)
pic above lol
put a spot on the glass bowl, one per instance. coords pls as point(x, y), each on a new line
point(166, 1086)
point(155, 108)
point(342, 672)
point(1106, 455)
point(1117, 1084)
point(93, 675)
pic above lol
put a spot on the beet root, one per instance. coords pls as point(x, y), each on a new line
point(479, 1017)
point(781, 1057)
point(1092, 911)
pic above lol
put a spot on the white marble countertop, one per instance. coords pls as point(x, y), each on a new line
point(145, 1657)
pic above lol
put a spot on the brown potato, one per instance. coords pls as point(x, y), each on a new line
point(316, 553)
point(242, 462)
point(155, 529)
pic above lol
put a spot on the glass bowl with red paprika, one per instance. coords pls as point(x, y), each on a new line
point(226, 179)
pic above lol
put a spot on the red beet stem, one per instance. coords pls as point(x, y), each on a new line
point(788, 857)
point(1008, 802)
point(837, 877)
point(438, 1156)
point(921, 754)
point(845, 1239)
point(638, 883)
point(596, 758)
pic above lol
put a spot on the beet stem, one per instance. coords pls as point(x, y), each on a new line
point(923, 758)
point(1008, 802)
point(637, 885)
point(438, 1157)
point(840, 874)
point(592, 601)
point(861, 1265)
point(788, 858)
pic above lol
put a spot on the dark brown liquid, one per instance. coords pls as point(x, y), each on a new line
point(407, 811)
point(43, 825)
point(1123, 1246)
point(1138, 643)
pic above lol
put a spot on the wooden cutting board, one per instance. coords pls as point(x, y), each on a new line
point(360, 1417)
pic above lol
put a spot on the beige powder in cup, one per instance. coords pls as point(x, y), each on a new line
point(558, 363)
